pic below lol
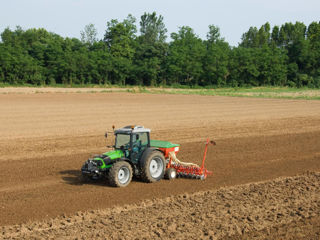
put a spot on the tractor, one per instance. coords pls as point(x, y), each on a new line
point(134, 153)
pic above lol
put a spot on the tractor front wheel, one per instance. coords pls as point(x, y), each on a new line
point(120, 174)
point(154, 167)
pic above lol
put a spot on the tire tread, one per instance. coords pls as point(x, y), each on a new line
point(113, 174)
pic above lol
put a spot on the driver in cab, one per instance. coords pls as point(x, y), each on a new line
point(136, 143)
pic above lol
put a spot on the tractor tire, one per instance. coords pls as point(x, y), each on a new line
point(120, 174)
point(170, 174)
point(153, 167)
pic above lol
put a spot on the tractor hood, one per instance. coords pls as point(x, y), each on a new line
point(114, 154)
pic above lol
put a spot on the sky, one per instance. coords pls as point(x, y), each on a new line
point(234, 17)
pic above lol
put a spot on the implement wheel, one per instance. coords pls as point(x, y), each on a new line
point(170, 174)
point(120, 174)
point(154, 167)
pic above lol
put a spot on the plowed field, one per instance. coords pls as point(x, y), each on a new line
point(284, 208)
point(46, 137)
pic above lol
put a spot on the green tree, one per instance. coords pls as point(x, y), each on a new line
point(256, 38)
point(89, 34)
point(271, 63)
point(215, 61)
point(289, 55)
point(185, 56)
point(313, 36)
point(264, 35)
point(100, 63)
point(120, 39)
point(250, 39)
point(243, 67)
point(152, 28)
point(275, 38)
point(150, 51)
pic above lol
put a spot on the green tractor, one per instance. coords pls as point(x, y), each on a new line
point(134, 154)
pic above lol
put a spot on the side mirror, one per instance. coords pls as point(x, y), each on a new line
point(106, 135)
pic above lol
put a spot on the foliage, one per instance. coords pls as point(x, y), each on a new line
point(89, 35)
point(151, 51)
point(216, 58)
point(286, 55)
point(185, 57)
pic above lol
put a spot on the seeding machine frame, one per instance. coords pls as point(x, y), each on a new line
point(190, 169)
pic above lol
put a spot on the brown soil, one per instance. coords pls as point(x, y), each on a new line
point(267, 210)
point(32, 90)
point(46, 137)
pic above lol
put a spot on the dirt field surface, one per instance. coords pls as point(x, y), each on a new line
point(46, 137)
point(31, 90)
point(271, 209)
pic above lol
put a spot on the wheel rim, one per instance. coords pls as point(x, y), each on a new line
point(173, 174)
point(156, 167)
point(123, 175)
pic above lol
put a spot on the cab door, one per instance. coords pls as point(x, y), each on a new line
point(140, 141)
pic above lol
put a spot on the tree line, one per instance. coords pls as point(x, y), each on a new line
point(287, 55)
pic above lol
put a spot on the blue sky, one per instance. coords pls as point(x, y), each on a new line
point(68, 17)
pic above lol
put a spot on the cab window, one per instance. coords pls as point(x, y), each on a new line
point(143, 138)
point(140, 139)
point(122, 140)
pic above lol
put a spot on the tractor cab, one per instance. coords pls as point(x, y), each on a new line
point(132, 140)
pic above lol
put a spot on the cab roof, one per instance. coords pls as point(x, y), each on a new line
point(132, 129)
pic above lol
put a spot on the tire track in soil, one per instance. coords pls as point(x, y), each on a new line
point(34, 191)
point(284, 208)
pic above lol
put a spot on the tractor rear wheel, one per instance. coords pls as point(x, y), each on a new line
point(120, 174)
point(154, 167)
point(170, 174)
